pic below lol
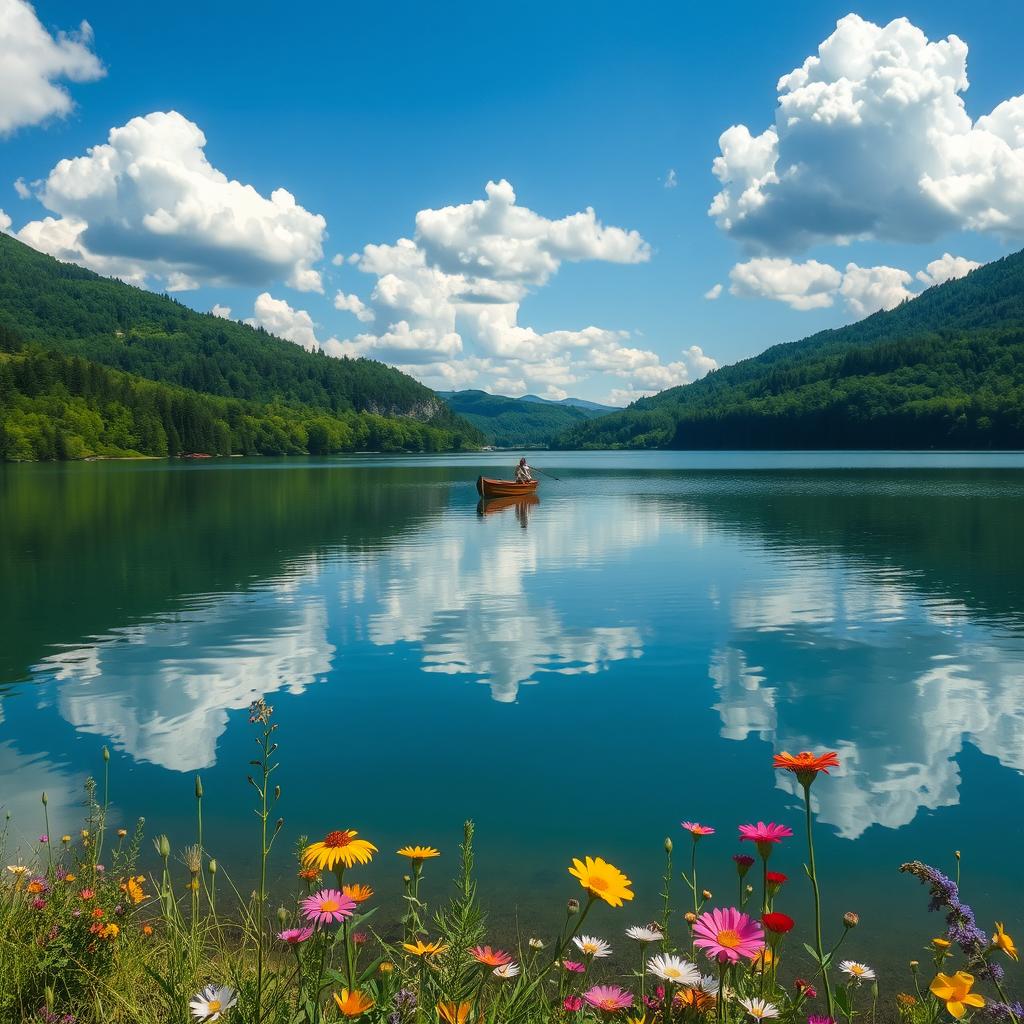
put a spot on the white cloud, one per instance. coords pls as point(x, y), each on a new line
point(224, 312)
point(946, 268)
point(277, 317)
point(32, 63)
point(5, 221)
point(353, 304)
point(24, 192)
point(671, 179)
point(446, 303)
point(872, 140)
point(814, 285)
point(869, 289)
point(809, 285)
point(148, 204)
point(713, 292)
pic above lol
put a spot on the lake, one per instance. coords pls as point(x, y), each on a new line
point(576, 675)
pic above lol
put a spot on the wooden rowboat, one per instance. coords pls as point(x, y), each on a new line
point(488, 488)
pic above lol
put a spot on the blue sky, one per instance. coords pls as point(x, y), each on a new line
point(369, 114)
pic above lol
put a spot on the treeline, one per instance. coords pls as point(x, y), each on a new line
point(944, 370)
point(57, 407)
point(511, 422)
point(63, 306)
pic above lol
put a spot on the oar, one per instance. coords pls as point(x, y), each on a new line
point(552, 475)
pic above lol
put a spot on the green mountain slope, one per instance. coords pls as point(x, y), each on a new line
point(515, 422)
point(943, 370)
point(66, 307)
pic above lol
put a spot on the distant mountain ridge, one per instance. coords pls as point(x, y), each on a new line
point(942, 370)
point(577, 403)
point(519, 422)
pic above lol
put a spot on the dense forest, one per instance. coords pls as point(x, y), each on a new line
point(55, 407)
point(943, 370)
point(517, 422)
point(94, 367)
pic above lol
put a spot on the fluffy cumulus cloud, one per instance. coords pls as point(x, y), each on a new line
point(33, 63)
point(813, 285)
point(713, 292)
point(148, 206)
point(872, 140)
point(224, 312)
point(445, 304)
point(5, 221)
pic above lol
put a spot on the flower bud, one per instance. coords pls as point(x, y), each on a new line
point(199, 788)
point(750, 889)
point(106, 755)
point(706, 894)
point(668, 844)
point(850, 919)
point(572, 907)
point(282, 916)
point(956, 853)
point(536, 944)
point(163, 846)
point(914, 964)
point(45, 801)
point(213, 867)
point(690, 917)
point(277, 792)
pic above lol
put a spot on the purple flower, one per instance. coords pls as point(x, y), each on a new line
point(44, 839)
point(405, 998)
point(1003, 1012)
point(38, 903)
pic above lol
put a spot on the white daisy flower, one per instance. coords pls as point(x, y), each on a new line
point(509, 970)
point(674, 969)
point(213, 1002)
point(536, 944)
point(588, 945)
point(759, 1009)
point(644, 933)
point(708, 985)
point(859, 972)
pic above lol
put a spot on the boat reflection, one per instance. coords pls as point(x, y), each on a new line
point(521, 503)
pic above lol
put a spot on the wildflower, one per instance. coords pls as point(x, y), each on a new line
point(353, 1004)
point(850, 919)
point(44, 838)
point(357, 893)
point(536, 943)
point(69, 877)
point(338, 848)
point(405, 999)
point(602, 879)
point(573, 966)
point(765, 836)
point(133, 890)
point(110, 931)
point(572, 1003)
point(122, 832)
point(609, 998)
point(38, 903)
point(490, 957)
point(17, 869)
point(65, 840)
point(743, 863)
point(1003, 941)
point(506, 971)
point(905, 999)
point(857, 971)
point(690, 917)
point(328, 906)
point(955, 991)
point(588, 945)
point(360, 938)
point(293, 936)
point(454, 1013)
point(940, 943)
point(640, 933)
point(777, 923)
point(418, 854)
point(775, 879)
point(805, 765)
point(147, 930)
point(260, 711)
point(673, 969)
point(97, 912)
point(805, 988)
point(727, 935)
point(693, 998)
point(708, 985)
point(572, 907)
point(759, 1009)
point(213, 1002)
point(386, 967)
point(421, 948)
point(309, 874)
point(37, 885)
point(815, 1019)
point(86, 894)
point(762, 960)
point(697, 830)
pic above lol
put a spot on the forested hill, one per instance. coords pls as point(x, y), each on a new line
point(943, 370)
point(65, 307)
point(517, 422)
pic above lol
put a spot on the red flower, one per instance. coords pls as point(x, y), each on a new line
point(776, 878)
point(777, 923)
point(805, 765)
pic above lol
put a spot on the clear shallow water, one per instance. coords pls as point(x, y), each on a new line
point(576, 676)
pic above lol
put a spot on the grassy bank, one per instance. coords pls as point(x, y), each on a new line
point(86, 937)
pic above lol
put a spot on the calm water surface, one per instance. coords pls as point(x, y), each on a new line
point(576, 676)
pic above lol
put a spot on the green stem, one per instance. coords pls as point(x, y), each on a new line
point(813, 874)
point(667, 908)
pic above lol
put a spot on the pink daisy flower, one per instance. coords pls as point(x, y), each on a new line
point(609, 998)
point(293, 936)
point(696, 829)
point(328, 906)
point(726, 935)
point(572, 1003)
point(765, 836)
point(573, 966)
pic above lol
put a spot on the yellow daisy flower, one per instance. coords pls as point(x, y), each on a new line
point(421, 948)
point(418, 853)
point(602, 879)
point(338, 848)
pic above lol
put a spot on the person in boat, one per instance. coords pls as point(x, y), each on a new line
point(523, 474)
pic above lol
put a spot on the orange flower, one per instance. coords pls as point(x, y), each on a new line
point(147, 929)
point(357, 893)
point(97, 912)
point(133, 890)
point(490, 957)
point(308, 874)
point(353, 1004)
point(453, 1013)
point(35, 886)
point(805, 765)
point(418, 853)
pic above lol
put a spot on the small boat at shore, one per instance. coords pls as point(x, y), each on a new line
point(488, 488)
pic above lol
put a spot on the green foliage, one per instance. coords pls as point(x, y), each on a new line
point(944, 370)
point(516, 422)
